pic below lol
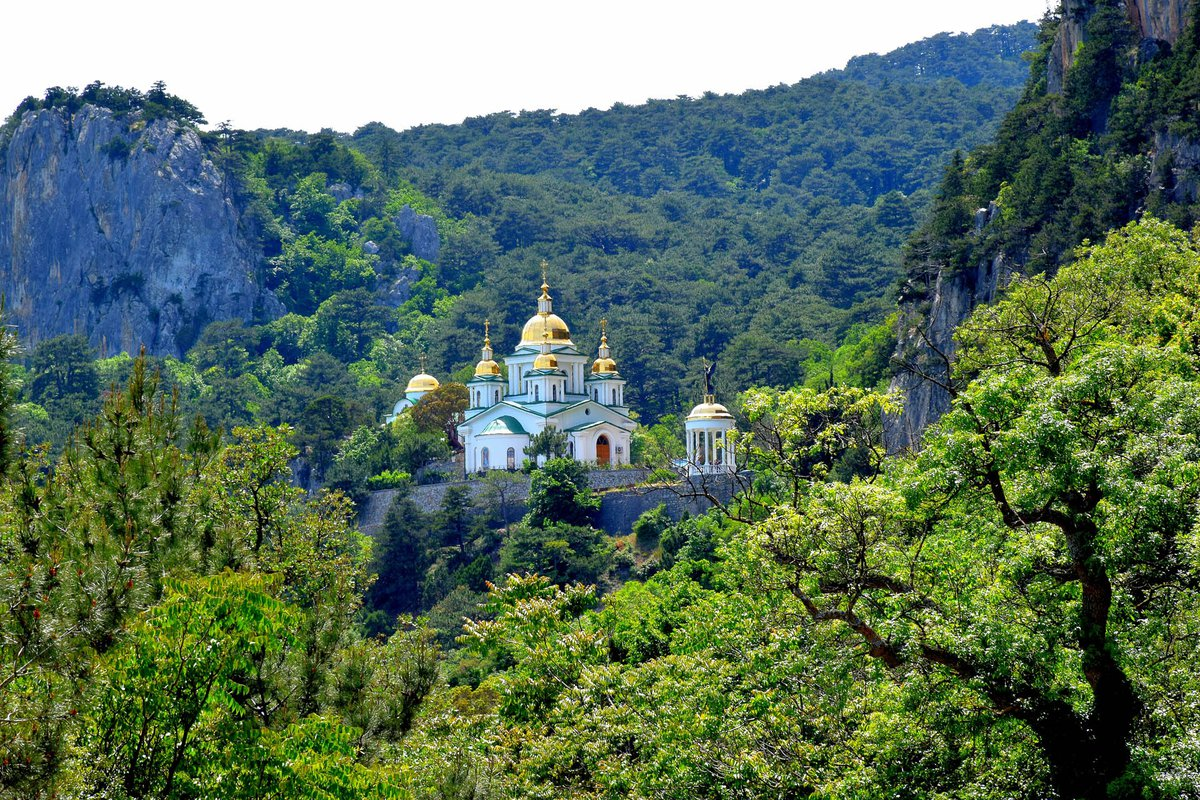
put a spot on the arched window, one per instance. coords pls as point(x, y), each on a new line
point(596, 395)
point(571, 448)
point(614, 397)
point(536, 393)
point(485, 459)
point(554, 393)
point(512, 458)
point(497, 400)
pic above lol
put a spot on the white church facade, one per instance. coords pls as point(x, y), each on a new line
point(549, 383)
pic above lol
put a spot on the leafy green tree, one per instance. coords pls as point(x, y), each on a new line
point(172, 698)
point(441, 411)
point(346, 324)
point(649, 527)
point(548, 443)
point(536, 625)
point(63, 379)
point(559, 492)
point(1068, 458)
point(401, 558)
point(560, 551)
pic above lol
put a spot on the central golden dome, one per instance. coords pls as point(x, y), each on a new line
point(710, 409)
point(551, 323)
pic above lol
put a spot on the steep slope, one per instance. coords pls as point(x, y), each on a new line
point(1104, 133)
point(120, 230)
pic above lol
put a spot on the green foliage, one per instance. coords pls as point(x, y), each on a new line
point(176, 688)
point(648, 527)
point(559, 492)
point(548, 443)
point(311, 268)
point(560, 551)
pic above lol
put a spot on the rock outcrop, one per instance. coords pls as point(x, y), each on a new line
point(926, 342)
point(421, 232)
point(119, 230)
point(1152, 21)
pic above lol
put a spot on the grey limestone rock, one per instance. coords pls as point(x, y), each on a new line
point(125, 235)
point(421, 232)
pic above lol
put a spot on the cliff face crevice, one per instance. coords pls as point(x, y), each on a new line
point(925, 343)
point(125, 235)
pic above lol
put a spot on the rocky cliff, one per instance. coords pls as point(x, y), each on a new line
point(1152, 20)
point(925, 345)
point(119, 230)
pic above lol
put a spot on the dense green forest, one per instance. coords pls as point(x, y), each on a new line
point(763, 230)
point(1069, 166)
point(1010, 613)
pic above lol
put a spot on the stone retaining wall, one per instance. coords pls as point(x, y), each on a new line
point(622, 501)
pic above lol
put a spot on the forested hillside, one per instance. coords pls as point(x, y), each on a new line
point(762, 230)
point(1104, 133)
point(766, 223)
point(1010, 614)
point(1013, 612)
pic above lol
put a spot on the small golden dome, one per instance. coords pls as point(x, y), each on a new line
point(486, 365)
point(422, 382)
point(545, 361)
point(710, 409)
point(604, 364)
point(553, 323)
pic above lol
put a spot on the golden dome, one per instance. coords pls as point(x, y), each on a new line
point(486, 365)
point(545, 361)
point(552, 323)
point(710, 409)
point(422, 382)
point(545, 321)
point(604, 364)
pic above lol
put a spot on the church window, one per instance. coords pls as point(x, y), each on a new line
point(554, 393)
point(614, 397)
point(536, 393)
point(512, 458)
point(485, 458)
point(497, 396)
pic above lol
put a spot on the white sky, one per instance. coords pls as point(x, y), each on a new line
point(307, 65)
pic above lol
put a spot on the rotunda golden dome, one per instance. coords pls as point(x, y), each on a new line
point(422, 382)
point(710, 409)
point(603, 366)
point(545, 361)
point(486, 368)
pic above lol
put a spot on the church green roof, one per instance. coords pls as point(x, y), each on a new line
point(500, 425)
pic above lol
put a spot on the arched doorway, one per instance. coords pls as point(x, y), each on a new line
point(602, 456)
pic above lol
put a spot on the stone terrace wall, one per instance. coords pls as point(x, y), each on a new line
point(622, 501)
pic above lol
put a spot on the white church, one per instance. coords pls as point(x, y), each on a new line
point(549, 384)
